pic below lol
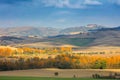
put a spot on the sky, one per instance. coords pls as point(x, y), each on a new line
point(59, 13)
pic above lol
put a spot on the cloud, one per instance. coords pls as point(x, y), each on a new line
point(70, 3)
point(92, 2)
point(56, 3)
point(61, 4)
point(75, 4)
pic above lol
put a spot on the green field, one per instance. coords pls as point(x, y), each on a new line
point(47, 78)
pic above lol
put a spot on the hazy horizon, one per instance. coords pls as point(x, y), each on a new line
point(59, 13)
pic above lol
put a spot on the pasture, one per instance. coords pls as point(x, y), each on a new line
point(62, 73)
point(46, 78)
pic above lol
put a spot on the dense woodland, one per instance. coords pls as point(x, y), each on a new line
point(63, 58)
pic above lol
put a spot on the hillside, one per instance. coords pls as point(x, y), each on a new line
point(46, 36)
point(107, 36)
point(81, 29)
point(103, 36)
point(28, 31)
point(45, 31)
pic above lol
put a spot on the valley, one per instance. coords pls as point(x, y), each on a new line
point(96, 50)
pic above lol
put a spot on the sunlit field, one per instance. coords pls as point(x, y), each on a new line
point(21, 58)
point(44, 62)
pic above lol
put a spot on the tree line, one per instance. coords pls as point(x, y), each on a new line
point(62, 61)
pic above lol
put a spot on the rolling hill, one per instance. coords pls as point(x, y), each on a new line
point(95, 36)
point(102, 36)
point(28, 31)
point(81, 29)
point(45, 31)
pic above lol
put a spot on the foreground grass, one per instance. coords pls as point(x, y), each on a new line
point(47, 78)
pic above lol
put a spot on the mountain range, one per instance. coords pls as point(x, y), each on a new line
point(28, 31)
point(46, 31)
point(90, 35)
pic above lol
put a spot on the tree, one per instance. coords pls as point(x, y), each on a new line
point(99, 64)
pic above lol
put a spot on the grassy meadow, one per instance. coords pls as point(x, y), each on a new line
point(46, 78)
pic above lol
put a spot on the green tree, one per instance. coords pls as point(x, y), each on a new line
point(99, 64)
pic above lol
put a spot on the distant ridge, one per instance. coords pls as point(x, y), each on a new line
point(93, 36)
point(28, 31)
point(96, 37)
point(81, 29)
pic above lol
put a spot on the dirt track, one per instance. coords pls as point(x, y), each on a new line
point(62, 72)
